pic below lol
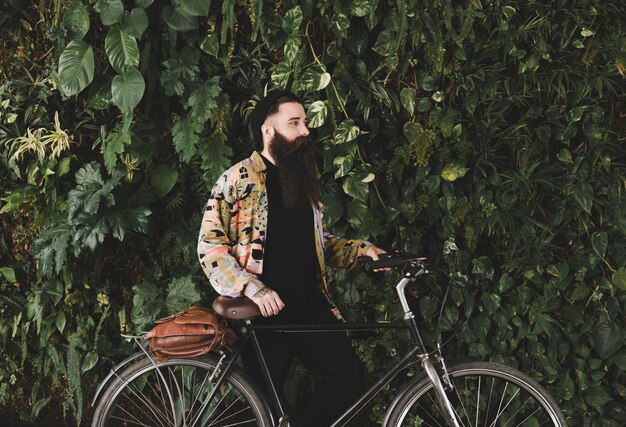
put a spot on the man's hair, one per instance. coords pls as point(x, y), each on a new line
point(268, 105)
point(280, 101)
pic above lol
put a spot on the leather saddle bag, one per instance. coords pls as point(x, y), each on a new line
point(188, 333)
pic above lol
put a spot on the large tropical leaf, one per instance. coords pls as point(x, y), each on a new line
point(127, 89)
point(76, 20)
point(179, 20)
point(76, 67)
point(122, 50)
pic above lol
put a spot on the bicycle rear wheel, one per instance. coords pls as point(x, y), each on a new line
point(485, 394)
point(175, 393)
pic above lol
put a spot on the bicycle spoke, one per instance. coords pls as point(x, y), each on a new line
point(484, 394)
point(159, 415)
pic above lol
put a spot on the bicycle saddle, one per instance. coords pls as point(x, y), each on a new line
point(236, 308)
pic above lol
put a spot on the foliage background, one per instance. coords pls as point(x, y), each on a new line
point(485, 134)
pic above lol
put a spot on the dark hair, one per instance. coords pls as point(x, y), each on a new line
point(267, 106)
point(280, 101)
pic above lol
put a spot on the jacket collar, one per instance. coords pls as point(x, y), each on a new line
point(257, 162)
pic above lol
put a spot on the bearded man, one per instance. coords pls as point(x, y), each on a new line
point(262, 236)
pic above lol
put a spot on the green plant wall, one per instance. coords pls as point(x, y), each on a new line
point(487, 135)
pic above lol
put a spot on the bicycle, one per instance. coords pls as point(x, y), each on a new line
point(211, 391)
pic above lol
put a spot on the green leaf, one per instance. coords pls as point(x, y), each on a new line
point(112, 12)
point(148, 303)
point(314, 78)
point(122, 49)
point(89, 192)
point(565, 156)
point(509, 11)
point(210, 44)
point(583, 195)
point(185, 138)
point(76, 20)
point(181, 294)
point(427, 306)
point(281, 73)
point(341, 21)
point(54, 290)
point(360, 8)
point(619, 278)
point(607, 338)
point(567, 388)
point(620, 360)
point(597, 396)
point(407, 97)
point(50, 248)
point(453, 171)
point(355, 187)
point(216, 155)
point(163, 179)
point(316, 114)
point(203, 100)
point(292, 20)
point(343, 164)
point(332, 207)
point(291, 49)
point(135, 22)
point(427, 82)
point(76, 67)
point(196, 7)
point(385, 43)
point(60, 321)
point(179, 20)
point(423, 105)
point(576, 114)
point(491, 302)
point(599, 242)
point(89, 361)
point(143, 3)
point(8, 273)
point(586, 32)
point(127, 89)
point(438, 96)
point(114, 145)
point(346, 132)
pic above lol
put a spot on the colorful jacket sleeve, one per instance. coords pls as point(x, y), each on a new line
point(340, 252)
point(214, 245)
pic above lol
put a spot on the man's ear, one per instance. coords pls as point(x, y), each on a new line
point(267, 131)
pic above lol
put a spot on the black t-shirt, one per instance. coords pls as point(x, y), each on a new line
point(289, 259)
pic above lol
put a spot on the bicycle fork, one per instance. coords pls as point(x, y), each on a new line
point(440, 391)
point(431, 372)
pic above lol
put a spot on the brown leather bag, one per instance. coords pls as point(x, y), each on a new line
point(191, 332)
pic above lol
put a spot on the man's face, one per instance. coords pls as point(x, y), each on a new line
point(289, 121)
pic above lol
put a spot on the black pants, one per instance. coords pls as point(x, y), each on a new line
point(328, 356)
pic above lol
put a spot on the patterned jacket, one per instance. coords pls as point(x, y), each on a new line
point(233, 232)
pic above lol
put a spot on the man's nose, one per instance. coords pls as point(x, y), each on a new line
point(304, 131)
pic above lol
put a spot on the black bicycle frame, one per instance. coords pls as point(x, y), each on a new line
point(417, 351)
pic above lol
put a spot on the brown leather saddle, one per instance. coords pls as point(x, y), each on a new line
point(236, 308)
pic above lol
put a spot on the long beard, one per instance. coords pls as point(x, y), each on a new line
point(297, 170)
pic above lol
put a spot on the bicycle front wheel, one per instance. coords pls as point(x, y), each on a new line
point(176, 393)
point(484, 394)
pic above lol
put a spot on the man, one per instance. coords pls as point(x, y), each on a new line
point(262, 236)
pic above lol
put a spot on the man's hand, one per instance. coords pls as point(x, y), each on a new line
point(374, 252)
point(268, 301)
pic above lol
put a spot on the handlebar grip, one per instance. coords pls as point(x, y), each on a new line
point(369, 264)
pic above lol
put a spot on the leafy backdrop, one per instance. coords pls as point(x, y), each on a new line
point(485, 134)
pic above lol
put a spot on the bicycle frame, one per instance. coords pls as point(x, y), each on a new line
point(417, 351)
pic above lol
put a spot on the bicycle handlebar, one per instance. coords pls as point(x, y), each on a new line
point(388, 260)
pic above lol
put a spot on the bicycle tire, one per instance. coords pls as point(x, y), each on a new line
point(139, 396)
point(485, 394)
